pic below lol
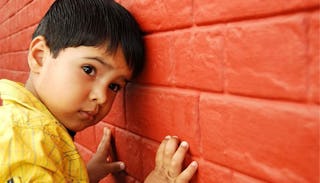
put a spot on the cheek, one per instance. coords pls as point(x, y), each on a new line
point(65, 89)
point(107, 107)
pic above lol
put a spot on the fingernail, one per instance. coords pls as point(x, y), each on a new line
point(122, 165)
point(194, 164)
point(184, 144)
point(175, 137)
point(105, 130)
point(167, 137)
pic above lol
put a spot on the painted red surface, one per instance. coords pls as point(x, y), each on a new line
point(239, 80)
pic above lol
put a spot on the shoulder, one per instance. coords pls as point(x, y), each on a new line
point(33, 140)
point(35, 129)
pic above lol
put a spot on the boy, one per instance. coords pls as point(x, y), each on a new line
point(81, 54)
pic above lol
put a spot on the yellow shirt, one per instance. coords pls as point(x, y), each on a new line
point(34, 146)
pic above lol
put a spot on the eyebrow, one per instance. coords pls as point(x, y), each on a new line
point(101, 61)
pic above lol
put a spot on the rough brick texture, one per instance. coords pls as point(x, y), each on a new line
point(239, 80)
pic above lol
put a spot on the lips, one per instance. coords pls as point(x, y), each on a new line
point(88, 115)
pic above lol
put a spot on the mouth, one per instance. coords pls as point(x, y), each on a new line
point(88, 115)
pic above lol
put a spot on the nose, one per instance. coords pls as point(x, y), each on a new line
point(99, 94)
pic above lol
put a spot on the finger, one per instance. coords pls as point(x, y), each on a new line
point(178, 158)
point(160, 152)
point(169, 151)
point(104, 144)
point(187, 174)
point(105, 169)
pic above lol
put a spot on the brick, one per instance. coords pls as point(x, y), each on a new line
point(33, 13)
point(221, 174)
point(9, 27)
point(15, 61)
point(198, 56)
point(160, 15)
point(108, 179)
point(216, 172)
point(2, 3)
point(85, 153)
point(87, 138)
point(116, 116)
point(274, 141)
point(207, 11)
point(118, 177)
point(28, 16)
point(240, 178)
point(148, 154)
point(158, 68)
point(3, 45)
point(157, 112)
point(19, 76)
point(11, 8)
point(23, 37)
point(129, 151)
point(314, 55)
point(4, 31)
point(170, 62)
point(268, 58)
point(208, 52)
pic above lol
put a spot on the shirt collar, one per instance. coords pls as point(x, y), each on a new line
point(13, 92)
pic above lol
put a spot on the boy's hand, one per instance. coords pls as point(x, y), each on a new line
point(169, 160)
point(99, 166)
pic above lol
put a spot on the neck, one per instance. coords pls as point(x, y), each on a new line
point(29, 85)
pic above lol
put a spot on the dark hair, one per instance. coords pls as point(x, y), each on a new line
point(73, 23)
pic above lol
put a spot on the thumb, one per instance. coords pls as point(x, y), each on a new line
point(114, 167)
point(98, 171)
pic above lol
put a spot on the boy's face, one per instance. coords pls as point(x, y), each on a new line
point(79, 86)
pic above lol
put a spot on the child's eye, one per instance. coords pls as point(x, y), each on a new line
point(89, 70)
point(114, 87)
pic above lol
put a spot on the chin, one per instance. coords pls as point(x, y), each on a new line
point(77, 128)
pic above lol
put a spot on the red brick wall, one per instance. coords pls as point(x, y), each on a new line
point(238, 80)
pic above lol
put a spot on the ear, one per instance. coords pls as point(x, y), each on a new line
point(38, 52)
